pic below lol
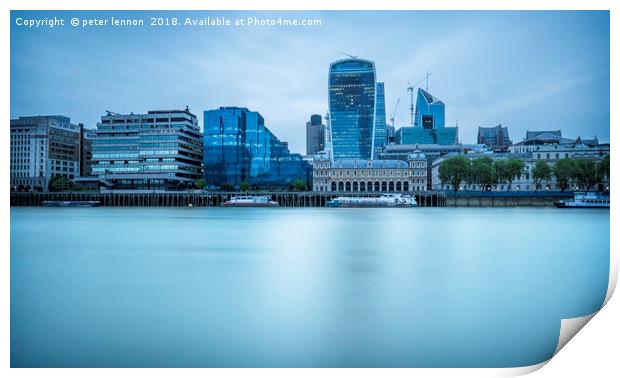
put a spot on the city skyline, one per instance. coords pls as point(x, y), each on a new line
point(282, 72)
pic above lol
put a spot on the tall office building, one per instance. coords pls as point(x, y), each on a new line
point(430, 112)
point(315, 135)
point(42, 147)
point(381, 137)
point(240, 148)
point(158, 150)
point(352, 84)
point(429, 125)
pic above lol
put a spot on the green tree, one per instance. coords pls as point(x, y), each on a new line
point(508, 170)
point(501, 171)
point(564, 171)
point(603, 168)
point(200, 184)
point(541, 172)
point(244, 186)
point(299, 185)
point(60, 183)
point(585, 173)
point(482, 172)
point(454, 170)
point(515, 170)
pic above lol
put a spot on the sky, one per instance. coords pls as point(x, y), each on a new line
point(528, 70)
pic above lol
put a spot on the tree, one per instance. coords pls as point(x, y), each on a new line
point(515, 170)
point(603, 168)
point(244, 186)
point(200, 184)
point(585, 173)
point(564, 171)
point(299, 185)
point(508, 170)
point(482, 172)
point(541, 172)
point(454, 170)
point(60, 183)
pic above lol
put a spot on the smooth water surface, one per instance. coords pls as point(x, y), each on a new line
point(299, 287)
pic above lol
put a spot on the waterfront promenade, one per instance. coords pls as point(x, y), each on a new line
point(285, 199)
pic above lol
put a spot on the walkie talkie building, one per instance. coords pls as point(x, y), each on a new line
point(352, 84)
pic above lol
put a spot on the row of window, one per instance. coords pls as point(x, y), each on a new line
point(97, 156)
point(369, 173)
point(376, 186)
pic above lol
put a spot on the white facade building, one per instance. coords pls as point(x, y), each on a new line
point(549, 154)
point(370, 175)
point(42, 147)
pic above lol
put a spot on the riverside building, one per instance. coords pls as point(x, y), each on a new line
point(42, 147)
point(159, 150)
point(526, 182)
point(240, 148)
point(370, 175)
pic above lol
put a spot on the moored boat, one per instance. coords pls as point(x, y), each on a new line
point(70, 203)
point(385, 200)
point(250, 201)
point(585, 200)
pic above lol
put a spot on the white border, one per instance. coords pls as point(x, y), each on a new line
point(595, 358)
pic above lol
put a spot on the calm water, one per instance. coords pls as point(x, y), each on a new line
point(438, 287)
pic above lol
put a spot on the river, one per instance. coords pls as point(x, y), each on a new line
point(300, 287)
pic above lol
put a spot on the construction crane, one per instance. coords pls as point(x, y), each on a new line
point(410, 89)
point(111, 112)
point(394, 112)
point(349, 55)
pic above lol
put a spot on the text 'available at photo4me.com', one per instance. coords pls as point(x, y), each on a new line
point(185, 22)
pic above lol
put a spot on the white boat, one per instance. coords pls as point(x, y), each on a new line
point(585, 200)
point(250, 201)
point(385, 200)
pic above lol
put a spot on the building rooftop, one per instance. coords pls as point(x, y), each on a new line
point(555, 137)
point(548, 134)
point(421, 147)
point(370, 164)
point(429, 97)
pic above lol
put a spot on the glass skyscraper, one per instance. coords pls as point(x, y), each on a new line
point(380, 125)
point(240, 148)
point(352, 84)
point(430, 112)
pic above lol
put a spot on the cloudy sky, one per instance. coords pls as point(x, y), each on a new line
point(525, 70)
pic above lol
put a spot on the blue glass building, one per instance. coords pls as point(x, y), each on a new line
point(158, 150)
point(416, 135)
point(240, 148)
point(430, 112)
point(352, 108)
point(429, 125)
point(381, 137)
